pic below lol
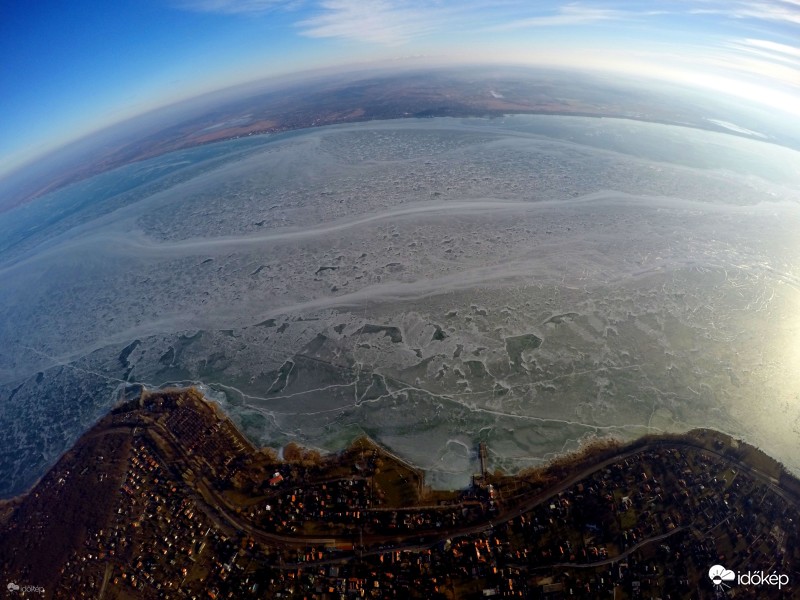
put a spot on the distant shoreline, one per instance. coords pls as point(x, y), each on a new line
point(356, 117)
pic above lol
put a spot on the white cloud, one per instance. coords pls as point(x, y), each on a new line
point(571, 14)
point(755, 68)
point(774, 47)
point(397, 21)
point(377, 21)
point(758, 59)
point(785, 11)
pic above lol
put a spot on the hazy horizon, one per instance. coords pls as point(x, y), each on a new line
point(101, 67)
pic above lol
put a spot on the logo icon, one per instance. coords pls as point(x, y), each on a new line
point(12, 587)
point(719, 575)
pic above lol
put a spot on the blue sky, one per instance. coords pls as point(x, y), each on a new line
point(69, 68)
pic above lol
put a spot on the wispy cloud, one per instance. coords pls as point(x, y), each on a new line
point(776, 50)
point(238, 7)
point(388, 22)
point(397, 21)
point(401, 20)
point(754, 67)
point(783, 11)
point(761, 60)
point(787, 11)
point(571, 14)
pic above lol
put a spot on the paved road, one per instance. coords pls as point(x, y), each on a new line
point(106, 577)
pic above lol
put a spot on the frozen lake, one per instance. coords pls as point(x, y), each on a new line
point(529, 282)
